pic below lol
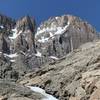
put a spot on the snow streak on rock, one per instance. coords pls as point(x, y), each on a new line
point(53, 57)
point(38, 54)
point(11, 55)
point(52, 32)
point(15, 34)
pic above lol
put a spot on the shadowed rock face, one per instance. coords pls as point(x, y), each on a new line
point(6, 22)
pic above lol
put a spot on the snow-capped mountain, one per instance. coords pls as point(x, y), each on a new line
point(26, 47)
point(34, 61)
point(61, 35)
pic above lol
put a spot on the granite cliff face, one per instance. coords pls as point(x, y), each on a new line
point(61, 35)
point(15, 43)
point(27, 48)
point(75, 77)
point(24, 48)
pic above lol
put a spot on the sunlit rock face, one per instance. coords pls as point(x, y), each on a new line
point(60, 35)
point(23, 34)
point(26, 23)
point(75, 77)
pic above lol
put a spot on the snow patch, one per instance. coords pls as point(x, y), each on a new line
point(51, 34)
point(43, 40)
point(56, 18)
point(12, 60)
point(15, 34)
point(1, 26)
point(41, 91)
point(40, 31)
point(53, 57)
point(38, 54)
point(44, 30)
point(0, 52)
point(61, 30)
point(11, 55)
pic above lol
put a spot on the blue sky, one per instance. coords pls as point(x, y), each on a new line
point(43, 9)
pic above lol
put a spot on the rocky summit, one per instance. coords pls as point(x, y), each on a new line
point(59, 58)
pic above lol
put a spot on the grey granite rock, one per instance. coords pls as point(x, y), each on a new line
point(47, 57)
point(77, 77)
